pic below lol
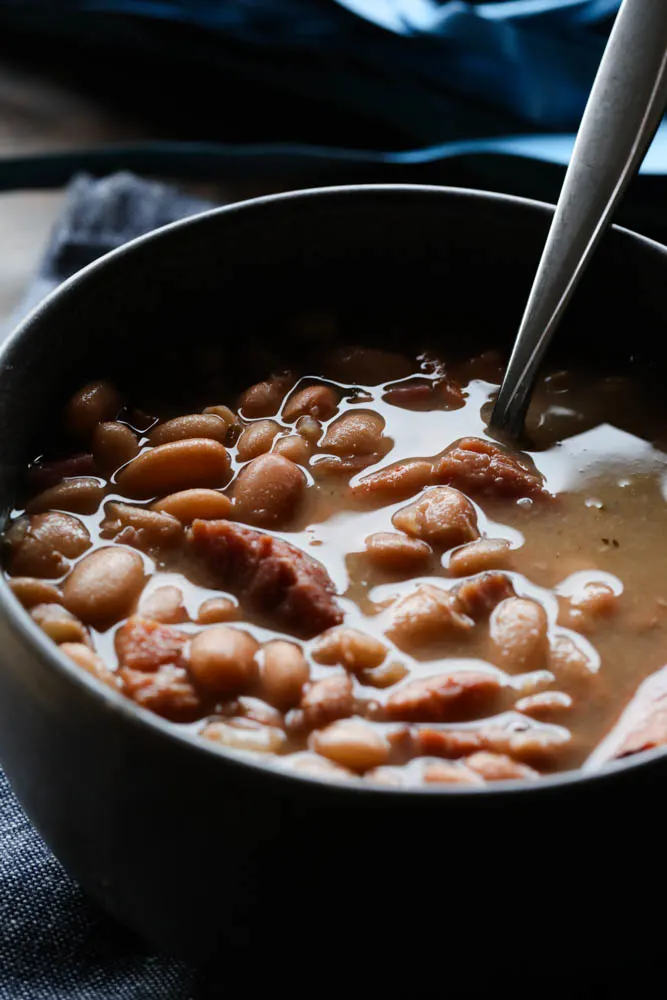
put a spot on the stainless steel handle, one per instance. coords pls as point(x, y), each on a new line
point(623, 112)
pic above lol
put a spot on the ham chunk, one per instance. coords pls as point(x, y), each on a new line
point(270, 576)
point(145, 645)
point(476, 466)
point(642, 726)
point(445, 697)
point(167, 692)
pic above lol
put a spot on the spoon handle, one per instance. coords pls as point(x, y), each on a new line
point(623, 112)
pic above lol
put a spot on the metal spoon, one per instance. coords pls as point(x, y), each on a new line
point(623, 112)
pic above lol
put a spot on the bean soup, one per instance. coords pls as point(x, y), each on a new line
point(339, 571)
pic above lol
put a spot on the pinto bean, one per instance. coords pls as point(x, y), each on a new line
point(192, 425)
point(444, 697)
point(326, 700)
point(224, 412)
point(58, 623)
point(152, 527)
point(222, 660)
point(595, 601)
point(422, 394)
point(480, 595)
point(498, 767)
point(245, 734)
point(256, 710)
point(428, 614)
point(442, 516)
point(350, 648)
point(519, 637)
point(355, 433)
point(81, 495)
point(269, 491)
point(544, 703)
point(190, 505)
point(309, 429)
point(319, 401)
point(397, 482)
point(478, 556)
point(42, 544)
point(293, 447)
point(446, 773)
point(384, 676)
point(164, 604)
point(352, 743)
point(90, 406)
point(31, 591)
point(314, 765)
point(103, 587)
point(569, 662)
point(283, 673)
point(114, 444)
point(178, 465)
point(265, 398)
point(396, 553)
point(89, 661)
point(218, 609)
point(256, 439)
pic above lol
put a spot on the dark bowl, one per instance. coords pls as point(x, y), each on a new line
point(199, 851)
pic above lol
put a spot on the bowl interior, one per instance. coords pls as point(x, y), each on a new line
point(205, 307)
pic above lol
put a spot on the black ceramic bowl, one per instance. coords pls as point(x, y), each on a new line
point(191, 847)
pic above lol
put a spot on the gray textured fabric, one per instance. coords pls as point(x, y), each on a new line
point(54, 943)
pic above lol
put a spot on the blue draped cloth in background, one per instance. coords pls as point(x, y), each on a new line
point(481, 94)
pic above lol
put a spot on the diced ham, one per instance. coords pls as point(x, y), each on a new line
point(167, 692)
point(269, 575)
point(642, 726)
point(476, 466)
point(445, 697)
point(146, 645)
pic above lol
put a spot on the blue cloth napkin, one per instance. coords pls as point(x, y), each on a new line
point(54, 943)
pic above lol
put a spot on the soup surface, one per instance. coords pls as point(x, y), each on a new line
point(342, 572)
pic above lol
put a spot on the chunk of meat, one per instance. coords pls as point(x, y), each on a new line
point(270, 575)
point(167, 692)
point(642, 726)
point(327, 700)
point(445, 697)
point(478, 597)
point(145, 645)
point(477, 466)
point(427, 615)
point(442, 516)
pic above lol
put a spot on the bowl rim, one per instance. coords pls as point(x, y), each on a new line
point(128, 711)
